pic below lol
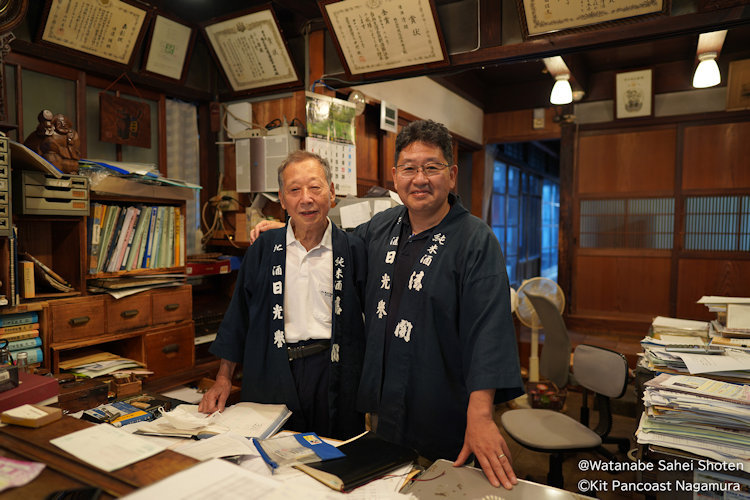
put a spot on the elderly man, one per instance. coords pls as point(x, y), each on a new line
point(441, 348)
point(295, 319)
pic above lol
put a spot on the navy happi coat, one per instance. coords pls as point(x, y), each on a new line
point(252, 331)
point(453, 331)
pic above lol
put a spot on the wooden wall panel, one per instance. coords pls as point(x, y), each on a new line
point(627, 162)
point(517, 126)
point(619, 284)
point(717, 156)
point(699, 277)
point(367, 137)
point(290, 107)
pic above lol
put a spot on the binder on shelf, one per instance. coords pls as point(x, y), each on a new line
point(95, 233)
point(19, 318)
point(116, 236)
point(112, 212)
point(30, 343)
point(23, 327)
point(28, 334)
point(28, 291)
point(34, 355)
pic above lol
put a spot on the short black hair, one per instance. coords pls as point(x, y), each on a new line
point(429, 132)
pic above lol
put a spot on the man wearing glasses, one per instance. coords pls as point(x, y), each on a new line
point(441, 348)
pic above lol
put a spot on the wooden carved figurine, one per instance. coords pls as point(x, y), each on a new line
point(56, 140)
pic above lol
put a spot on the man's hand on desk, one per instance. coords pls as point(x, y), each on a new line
point(216, 397)
point(483, 438)
point(263, 226)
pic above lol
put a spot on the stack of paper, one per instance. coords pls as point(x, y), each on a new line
point(246, 419)
point(698, 415)
point(97, 364)
point(733, 364)
point(676, 326)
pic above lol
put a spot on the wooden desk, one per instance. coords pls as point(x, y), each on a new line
point(34, 445)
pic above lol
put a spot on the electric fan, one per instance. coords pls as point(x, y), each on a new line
point(528, 316)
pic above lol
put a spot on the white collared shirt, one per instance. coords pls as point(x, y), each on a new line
point(308, 285)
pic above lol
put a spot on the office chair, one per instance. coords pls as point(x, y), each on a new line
point(554, 362)
point(597, 369)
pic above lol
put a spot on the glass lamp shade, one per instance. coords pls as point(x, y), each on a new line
point(707, 73)
point(561, 92)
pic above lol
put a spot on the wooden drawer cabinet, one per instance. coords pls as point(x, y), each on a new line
point(170, 350)
point(78, 319)
point(129, 313)
point(172, 304)
point(155, 327)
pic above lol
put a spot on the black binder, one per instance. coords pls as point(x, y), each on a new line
point(367, 457)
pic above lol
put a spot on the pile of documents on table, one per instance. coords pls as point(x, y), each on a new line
point(732, 361)
point(97, 363)
point(705, 417)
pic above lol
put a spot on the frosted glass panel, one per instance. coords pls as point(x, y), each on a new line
point(42, 91)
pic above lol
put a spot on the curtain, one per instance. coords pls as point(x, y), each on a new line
point(183, 163)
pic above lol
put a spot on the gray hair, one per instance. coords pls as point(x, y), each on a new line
point(300, 156)
point(428, 132)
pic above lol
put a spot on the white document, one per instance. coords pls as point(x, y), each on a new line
point(220, 480)
point(222, 445)
point(713, 299)
point(680, 324)
point(380, 206)
point(355, 214)
point(187, 394)
point(738, 316)
point(107, 447)
point(713, 363)
point(667, 339)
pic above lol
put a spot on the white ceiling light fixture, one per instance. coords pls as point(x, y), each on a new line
point(707, 73)
point(562, 93)
point(709, 46)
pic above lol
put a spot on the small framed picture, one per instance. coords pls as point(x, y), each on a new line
point(167, 53)
point(634, 96)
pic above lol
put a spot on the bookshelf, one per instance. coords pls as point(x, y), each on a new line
point(154, 327)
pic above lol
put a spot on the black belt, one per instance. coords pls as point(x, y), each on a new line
point(309, 349)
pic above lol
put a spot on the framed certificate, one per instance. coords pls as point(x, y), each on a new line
point(634, 96)
point(540, 17)
point(169, 47)
point(250, 50)
point(375, 37)
point(108, 30)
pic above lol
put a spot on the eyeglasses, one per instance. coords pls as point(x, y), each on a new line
point(429, 169)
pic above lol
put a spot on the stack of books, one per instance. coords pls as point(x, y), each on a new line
point(22, 333)
point(705, 417)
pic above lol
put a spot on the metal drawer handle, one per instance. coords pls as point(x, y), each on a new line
point(170, 348)
point(172, 307)
point(131, 313)
point(79, 321)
